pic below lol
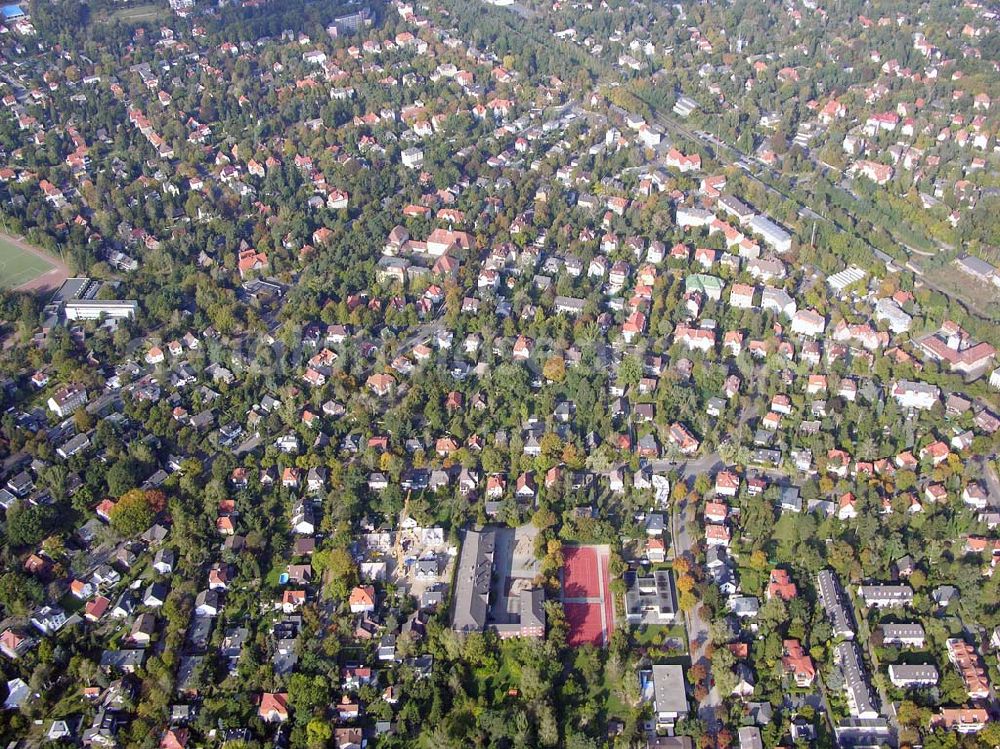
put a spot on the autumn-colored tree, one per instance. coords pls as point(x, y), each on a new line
point(678, 492)
point(572, 456)
point(551, 447)
point(133, 513)
point(723, 739)
point(543, 518)
point(157, 500)
point(554, 369)
point(83, 420)
point(697, 673)
point(758, 560)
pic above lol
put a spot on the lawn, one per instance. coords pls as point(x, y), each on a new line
point(271, 581)
point(17, 266)
point(657, 637)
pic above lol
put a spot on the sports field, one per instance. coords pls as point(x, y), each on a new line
point(586, 595)
point(23, 266)
point(581, 572)
point(138, 13)
point(18, 266)
point(586, 627)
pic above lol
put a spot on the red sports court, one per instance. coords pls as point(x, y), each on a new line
point(581, 573)
point(585, 624)
point(586, 595)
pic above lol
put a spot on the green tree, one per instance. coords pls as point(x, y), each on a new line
point(339, 571)
point(19, 593)
point(307, 694)
point(318, 733)
point(123, 476)
point(630, 371)
point(27, 525)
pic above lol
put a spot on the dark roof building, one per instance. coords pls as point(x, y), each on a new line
point(472, 582)
point(832, 598)
point(519, 614)
point(650, 598)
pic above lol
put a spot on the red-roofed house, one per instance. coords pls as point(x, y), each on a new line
point(727, 484)
point(273, 707)
point(251, 261)
point(96, 609)
point(175, 738)
point(780, 585)
point(362, 599)
point(717, 535)
point(797, 663)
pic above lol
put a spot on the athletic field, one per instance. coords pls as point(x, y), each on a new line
point(19, 266)
point(586, 595)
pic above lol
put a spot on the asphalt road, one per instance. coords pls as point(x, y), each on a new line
point(992, 483)
point(422, 334)
point(682, 517)
point(688, 468)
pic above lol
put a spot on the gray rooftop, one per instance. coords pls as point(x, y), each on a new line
point(901, 672)
point(859, 694)
point(668, 690)
point(833, 604)
point(900, 631)
point(650, 598)
point(472, 581)
point(892, 595)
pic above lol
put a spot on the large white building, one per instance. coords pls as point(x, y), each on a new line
point(77, 299)
point(918, 395)
point(888, 309)
point(67, 399)
point(808, 322)
point(413, 158)
point(688, 217)
point(94, 309)
point(773, 235)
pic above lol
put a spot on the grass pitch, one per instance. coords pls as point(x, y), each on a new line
point(17, 266)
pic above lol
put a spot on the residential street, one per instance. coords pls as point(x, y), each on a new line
point(681, 517)
point(706, 464)
point(992, 482)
